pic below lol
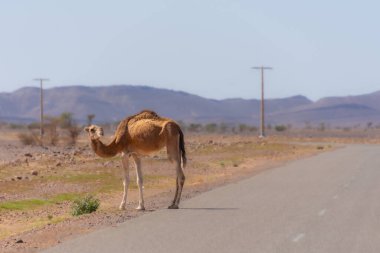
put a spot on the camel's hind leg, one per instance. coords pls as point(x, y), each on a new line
point(174, 155)
point(139, 182)
point(125, 164)
point(180, 181)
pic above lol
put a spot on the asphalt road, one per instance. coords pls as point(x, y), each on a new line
point(326, 203)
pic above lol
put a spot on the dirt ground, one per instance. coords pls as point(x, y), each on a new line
point(39, 184)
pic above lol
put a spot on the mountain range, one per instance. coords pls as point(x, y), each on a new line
point(113, 103)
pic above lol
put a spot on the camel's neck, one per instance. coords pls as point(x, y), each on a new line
point(104, 150)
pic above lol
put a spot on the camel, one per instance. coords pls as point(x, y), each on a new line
point(139, 135)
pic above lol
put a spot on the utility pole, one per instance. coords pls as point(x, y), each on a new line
point(41, 105)
point(262, 120)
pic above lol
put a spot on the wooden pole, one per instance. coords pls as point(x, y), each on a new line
point(262, 104)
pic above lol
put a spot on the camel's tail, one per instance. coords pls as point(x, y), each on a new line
point(182, 147)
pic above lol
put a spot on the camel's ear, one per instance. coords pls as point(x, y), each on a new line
point(87, 129)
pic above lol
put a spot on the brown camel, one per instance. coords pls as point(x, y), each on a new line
point(139, 135)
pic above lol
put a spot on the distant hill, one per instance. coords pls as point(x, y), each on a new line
point(113, 103)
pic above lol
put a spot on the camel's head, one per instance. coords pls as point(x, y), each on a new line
point(94, 132)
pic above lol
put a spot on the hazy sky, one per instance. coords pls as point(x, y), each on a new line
point(206, 47)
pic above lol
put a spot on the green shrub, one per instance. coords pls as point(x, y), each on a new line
point(280, 128)
point(88, 204)
point(34, 125)
point(194, 127)
point(243, 128)
point(211, 128)
point(223, 128)
point(16, 126)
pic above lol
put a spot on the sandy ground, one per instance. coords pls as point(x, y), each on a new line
point(38, 184)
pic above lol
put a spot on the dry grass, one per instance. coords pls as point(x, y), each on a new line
point(30, 138)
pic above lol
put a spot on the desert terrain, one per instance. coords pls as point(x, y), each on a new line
point(39, 184)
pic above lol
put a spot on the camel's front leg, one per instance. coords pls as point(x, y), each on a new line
point(125, 164)
point(140, 182)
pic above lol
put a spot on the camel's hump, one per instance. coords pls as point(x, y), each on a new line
point(122, 128)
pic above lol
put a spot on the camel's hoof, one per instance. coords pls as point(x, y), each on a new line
point(122, 207)
point(173, 206)
point(140, 208)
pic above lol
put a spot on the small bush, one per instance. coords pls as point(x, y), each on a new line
point(26, 139)
point(211, 128)
point(34, 125)
point(74, 132)
point(223, 128)
point(51, 125)
point(29, 138)
point(16, 126)
point(243, 128)
point(280, 128)
point(85, 205)
point(195, 127)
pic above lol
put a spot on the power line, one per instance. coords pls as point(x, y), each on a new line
point(41, 106)
point(262, 116)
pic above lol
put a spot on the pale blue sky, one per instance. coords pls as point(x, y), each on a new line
point(206, 47)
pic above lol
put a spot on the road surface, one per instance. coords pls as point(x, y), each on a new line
point(326, 203)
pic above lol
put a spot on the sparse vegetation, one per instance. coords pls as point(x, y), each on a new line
point(215, 159)
point(322, 127)
point(68, 123)
point(280, 128)
point(52, 127)
point(253, 129)
point(307, 125)
point(28, 204)
point(223, 128)
point(29, 138)
point(74, 132)
point(16, 126)
point(219, 128)
point(194, 127)
point(66, 120)
point(51, 130)
point(34, 126)
point(243, 128)
point(211, 127)
point(347, 129)
point(22, 204)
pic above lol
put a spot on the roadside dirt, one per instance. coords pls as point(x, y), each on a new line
point(38, 185)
